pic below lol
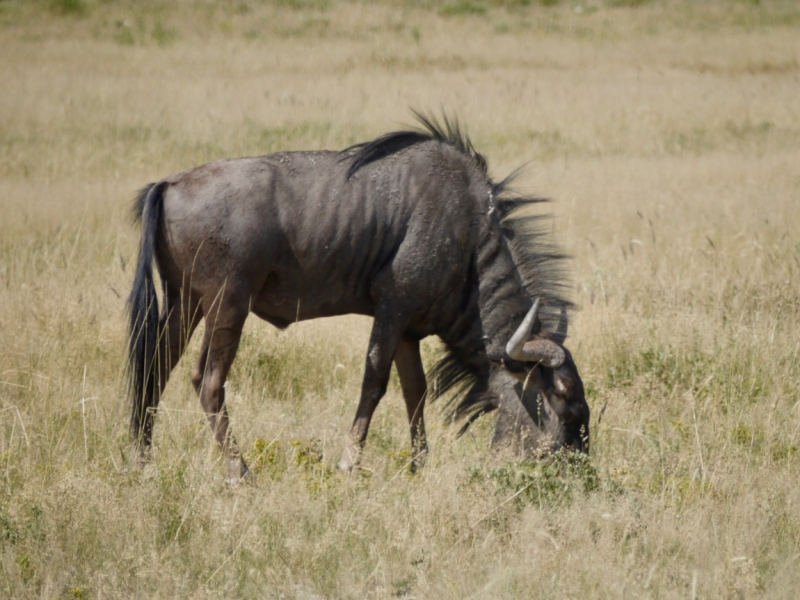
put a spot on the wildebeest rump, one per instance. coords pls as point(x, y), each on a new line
point(408, 228)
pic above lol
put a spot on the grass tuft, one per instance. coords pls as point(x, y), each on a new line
point(546, 482)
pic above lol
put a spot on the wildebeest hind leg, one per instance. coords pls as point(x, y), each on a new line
point(220, 342)
point(412, 379)
point(386, 332)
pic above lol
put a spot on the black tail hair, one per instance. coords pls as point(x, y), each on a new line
point(143, 324)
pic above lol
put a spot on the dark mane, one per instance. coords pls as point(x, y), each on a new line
point(540, 262)
point(542, 269)
point(541, 266)
point(448, 132)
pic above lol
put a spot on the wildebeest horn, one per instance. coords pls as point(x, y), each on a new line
point(515, 344)
point(563, 324)
point(543, 351)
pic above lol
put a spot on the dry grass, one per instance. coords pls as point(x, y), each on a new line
point(669, 134)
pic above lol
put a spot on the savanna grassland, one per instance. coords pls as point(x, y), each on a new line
point(668, 134)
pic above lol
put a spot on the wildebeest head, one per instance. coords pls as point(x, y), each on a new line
point(536, 387)
point(540, 391)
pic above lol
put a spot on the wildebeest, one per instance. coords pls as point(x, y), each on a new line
point(408, 228)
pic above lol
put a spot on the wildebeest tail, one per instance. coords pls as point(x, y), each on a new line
point(143, 325)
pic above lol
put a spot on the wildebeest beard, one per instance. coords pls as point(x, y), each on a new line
point(409, 229)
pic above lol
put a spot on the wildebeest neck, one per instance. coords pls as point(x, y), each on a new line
point(496, 303)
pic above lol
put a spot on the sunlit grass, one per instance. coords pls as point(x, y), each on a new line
point(666, 133)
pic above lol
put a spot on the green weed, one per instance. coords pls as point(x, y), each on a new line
point(70, 7)
point(164, 36)
point(462, 7)
point(554, 480)
point(267, 458)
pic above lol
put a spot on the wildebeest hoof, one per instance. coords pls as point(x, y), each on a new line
point(345, 466)
point(416, 466)
point(349, 461)
point(138, 458)
point(247, 479)
point(239, 473)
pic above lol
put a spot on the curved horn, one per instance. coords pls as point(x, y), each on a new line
point(514, 347)
point(547, 352)
point(563, 324)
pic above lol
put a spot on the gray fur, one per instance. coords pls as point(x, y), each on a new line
point(407, 229)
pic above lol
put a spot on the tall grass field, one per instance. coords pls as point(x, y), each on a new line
point(667, 134)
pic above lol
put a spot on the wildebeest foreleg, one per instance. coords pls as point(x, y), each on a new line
point(412, 379)
point(383, 342)
point(220, 342)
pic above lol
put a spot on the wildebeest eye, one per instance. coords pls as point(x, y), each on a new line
point(562, 386)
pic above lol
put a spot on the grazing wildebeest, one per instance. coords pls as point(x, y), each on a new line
point(408, 228)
